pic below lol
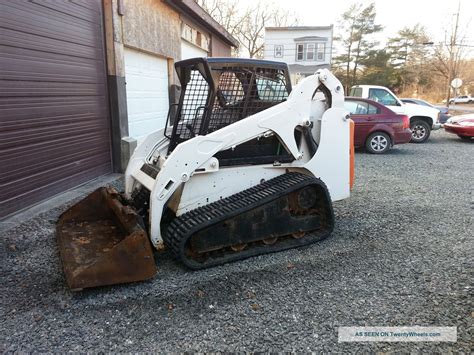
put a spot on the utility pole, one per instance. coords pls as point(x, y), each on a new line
point(452, 48)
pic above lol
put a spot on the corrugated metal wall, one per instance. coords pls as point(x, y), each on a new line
point(54, 120)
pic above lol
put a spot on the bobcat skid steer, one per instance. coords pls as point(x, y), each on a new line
point(244, 166)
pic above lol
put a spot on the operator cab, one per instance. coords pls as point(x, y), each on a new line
point(217, 92)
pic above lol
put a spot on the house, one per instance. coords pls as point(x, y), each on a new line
point(82, 81)
point(304, 48)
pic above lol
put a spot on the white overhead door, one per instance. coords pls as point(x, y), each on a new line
point(189, 50)
point(146, 79)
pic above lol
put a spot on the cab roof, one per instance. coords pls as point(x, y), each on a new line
point(221, 61)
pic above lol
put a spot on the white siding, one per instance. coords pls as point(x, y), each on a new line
point(146, 79)
point(189, 50)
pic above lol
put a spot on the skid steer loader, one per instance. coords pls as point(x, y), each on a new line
point(244, 166)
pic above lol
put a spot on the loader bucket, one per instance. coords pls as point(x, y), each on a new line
point(101, 242)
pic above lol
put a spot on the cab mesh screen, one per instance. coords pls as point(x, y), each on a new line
point(241, 92)
point(190, 121)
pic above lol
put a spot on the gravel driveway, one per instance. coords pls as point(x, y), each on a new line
point(401, 255)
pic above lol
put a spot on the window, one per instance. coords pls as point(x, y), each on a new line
point(278, 51)
point(300, 52)
point(187, 33)
point(360, 108)
point(356, 107)
point(272, 90)
point(320, 51)
point(199, 39)
point(373, 110)
point(310, 51)
point(195, 37)
point(382, 96)
point(356, 92)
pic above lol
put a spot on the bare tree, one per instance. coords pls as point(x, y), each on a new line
point(225, 12)
point(248, 24)
point(449, 60)
point(251, 35)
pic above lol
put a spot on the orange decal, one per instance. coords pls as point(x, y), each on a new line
point(351, 156)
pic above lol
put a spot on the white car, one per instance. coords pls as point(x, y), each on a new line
point(466, 99)
point(423, 119)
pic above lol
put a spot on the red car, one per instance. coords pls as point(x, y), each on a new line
point(462, 125)
point(377, 127)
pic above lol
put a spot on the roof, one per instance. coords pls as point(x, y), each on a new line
point(249, 61)
point(299, 28)
point(198, 14)
point(310, 38)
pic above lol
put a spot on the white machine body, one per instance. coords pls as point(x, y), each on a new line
point(190, 176)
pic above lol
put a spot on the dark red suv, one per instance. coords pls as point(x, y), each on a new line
point(377, 127)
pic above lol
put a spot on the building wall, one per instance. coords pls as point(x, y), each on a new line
point(189, 46)
point(219, 48)
point(287, 39)
point(147, 26)
point(152, 26)
point(189, 50)
point(154, 29)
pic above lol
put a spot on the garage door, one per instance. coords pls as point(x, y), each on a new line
point(189, 50)
point(146, 78)
point(54, 121)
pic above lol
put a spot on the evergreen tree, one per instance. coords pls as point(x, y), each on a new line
point(357, 24)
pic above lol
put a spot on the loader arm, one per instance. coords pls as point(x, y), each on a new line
point(281, 120)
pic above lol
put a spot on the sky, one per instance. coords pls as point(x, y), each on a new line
point(435, 15)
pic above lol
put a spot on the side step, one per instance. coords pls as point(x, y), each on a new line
point(288, 211)
point(102, 242)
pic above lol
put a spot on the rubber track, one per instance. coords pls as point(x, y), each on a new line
point(183, 227)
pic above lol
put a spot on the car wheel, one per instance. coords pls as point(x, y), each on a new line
point(378, 143)
point(420, 131)
point(465, 138)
